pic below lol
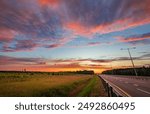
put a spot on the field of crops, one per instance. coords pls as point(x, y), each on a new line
point(47, 85)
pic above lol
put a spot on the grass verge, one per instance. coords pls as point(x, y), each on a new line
point(88, 88)
point(93, 89)
point(61, 91)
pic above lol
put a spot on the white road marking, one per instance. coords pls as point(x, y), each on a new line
point(136, 85)
point(124, 92)
point(143, 91)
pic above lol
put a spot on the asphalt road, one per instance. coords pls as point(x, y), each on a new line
point(135, 86)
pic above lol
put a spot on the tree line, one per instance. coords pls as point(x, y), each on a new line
point(142, 71)
point(88, 72)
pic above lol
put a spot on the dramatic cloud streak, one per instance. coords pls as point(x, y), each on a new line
point(45, 21)
point(135, 39)
point(66, 29)
point(41, 64)
point(75, 64)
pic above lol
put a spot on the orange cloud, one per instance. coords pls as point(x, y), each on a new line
point(55, 65)
point(37, 64)
point(7, 35)
point(78, 29)
point(51, 2)
point(51, 68)
point(133, 38)
point(119, 25)
point(122, 39)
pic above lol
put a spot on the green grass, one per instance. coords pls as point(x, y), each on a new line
point(45, 85)
point(61, 91)
point(98, 89)
point(94, 88)
point(88, 88)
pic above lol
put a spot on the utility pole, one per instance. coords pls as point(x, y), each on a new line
point(128, 49)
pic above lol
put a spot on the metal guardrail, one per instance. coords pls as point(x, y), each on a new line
point(113, 90)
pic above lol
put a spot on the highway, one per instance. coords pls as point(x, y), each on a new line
point(131, 86)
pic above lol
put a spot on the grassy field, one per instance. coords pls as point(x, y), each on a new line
point(46, 85)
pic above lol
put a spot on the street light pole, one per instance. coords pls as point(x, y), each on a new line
point(131, 58)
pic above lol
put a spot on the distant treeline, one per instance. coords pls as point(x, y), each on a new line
point(89, 72)
point(143, 71)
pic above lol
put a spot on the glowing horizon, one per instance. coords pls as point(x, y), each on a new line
point(70, 35)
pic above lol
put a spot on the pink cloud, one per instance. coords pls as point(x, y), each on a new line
point(78, 28)
point(119, 25)
point(7, 35)
point(133, 38)
point(41, 64)
point(129, 14)
point(63, 20)
point(51, 2)
point(21, 45)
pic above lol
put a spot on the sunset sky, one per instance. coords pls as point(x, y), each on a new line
point(70, 35)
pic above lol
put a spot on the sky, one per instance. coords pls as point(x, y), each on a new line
point(71, 35)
